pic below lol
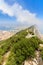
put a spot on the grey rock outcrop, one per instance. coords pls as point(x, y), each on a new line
point(34, 31)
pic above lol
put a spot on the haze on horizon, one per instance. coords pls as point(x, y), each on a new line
point(14, 13)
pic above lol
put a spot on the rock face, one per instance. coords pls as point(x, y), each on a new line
point(34, 32)
point(34, 61)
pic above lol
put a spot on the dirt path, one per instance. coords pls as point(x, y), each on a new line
point(5, 57)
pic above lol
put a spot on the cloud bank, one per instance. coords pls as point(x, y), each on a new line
point(22, 15)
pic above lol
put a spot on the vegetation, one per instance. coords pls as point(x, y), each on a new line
point(21, 48)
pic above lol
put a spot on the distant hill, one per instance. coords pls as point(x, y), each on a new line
point(23, 48)
point(5, 35)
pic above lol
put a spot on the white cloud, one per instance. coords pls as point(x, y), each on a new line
point(22, 15)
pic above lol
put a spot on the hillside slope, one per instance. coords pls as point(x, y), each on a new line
point(22, 49)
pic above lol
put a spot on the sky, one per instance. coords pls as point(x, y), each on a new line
point(21, 13)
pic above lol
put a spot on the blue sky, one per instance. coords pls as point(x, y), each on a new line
point(25, 12)
point(35, 6)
